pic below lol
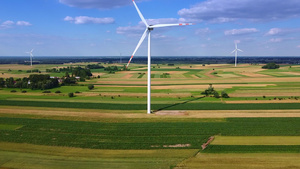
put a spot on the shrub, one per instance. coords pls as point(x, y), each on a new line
point(271, 66)
point(46, 91)
point(71, 94)
point(13, 91)
point(224, 94)
point(77, 92)
point(90, 86)
point(24, 91)
point(57, 91)
point(216, 94)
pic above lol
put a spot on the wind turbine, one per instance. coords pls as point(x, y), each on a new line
point(31, 56)
point(148, 30)
point(236, 52)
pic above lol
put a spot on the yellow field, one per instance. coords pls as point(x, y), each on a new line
point(106, 115)
point(256, 140)
point(244, 161)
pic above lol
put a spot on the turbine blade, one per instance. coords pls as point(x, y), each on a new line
point(240, 50)
point(138, 46)
point(31, 51)
point(236, 46)
point(141, 15)
point(167, 25)
point(233, 51)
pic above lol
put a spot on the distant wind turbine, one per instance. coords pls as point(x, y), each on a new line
point(31, 56)
point(148, 30)
point(236, 52)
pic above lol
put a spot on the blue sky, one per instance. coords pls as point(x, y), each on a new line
point(111, 27)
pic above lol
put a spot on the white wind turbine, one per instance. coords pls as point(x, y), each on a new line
point(31, 56)
point(148, 30)
point(236, 52)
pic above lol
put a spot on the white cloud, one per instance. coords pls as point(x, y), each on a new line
point(99, 4)
point(130, 30)
point(203, 31)
point(277, 40)
point(240, 31)
point(68, 18)
point(23, 23)
point(280, 31)
point(274, 31)
point(89, 20)
point(237, 41)
point(9, 24)
point(232, 10)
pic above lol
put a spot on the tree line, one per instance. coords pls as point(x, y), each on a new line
point(74, 71)
point(33, 82)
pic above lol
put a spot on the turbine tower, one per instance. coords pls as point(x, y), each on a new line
point(236, 52)
point(148, 30)
point(31, 56)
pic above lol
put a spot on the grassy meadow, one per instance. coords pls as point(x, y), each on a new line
point(107, 127)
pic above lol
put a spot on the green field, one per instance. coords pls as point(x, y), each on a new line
point(107, 127)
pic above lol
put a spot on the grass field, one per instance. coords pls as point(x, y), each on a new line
point(107, 127)
point(20, 155)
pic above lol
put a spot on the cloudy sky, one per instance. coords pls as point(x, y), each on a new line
point(111, 27)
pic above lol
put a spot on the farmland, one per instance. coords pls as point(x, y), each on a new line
point(108, 127)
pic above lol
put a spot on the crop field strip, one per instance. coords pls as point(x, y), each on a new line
point(176, 106)
point(13, 159)
point(242, 160)
point(149, 135)
point(256, 140)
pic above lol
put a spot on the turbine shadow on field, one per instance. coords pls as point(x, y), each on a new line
point(173, 105)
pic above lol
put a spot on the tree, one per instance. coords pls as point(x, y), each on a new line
point(209, 91)
point(10, 82)
point(90, 86)
point(216, 94)
point(71, 94)
point(224, 94)
point(2, 82)
point(69, 81)
point(271, 66)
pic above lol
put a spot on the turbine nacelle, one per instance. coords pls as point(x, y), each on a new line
point(150, 28)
